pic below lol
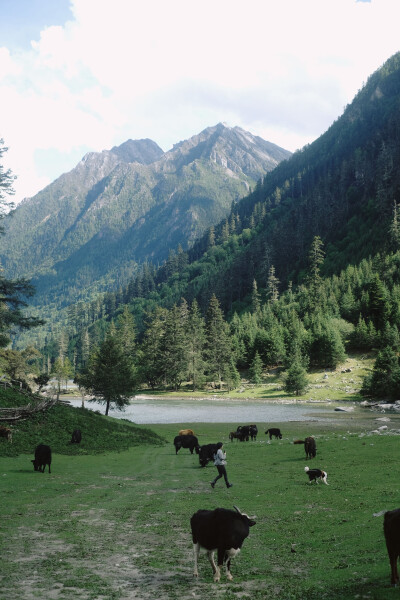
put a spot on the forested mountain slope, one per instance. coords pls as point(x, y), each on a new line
point(89, 229)
point(344, 188)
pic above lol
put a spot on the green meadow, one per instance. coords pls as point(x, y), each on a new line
point(115, 525)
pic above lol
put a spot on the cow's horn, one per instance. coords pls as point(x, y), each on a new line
point(236, 508)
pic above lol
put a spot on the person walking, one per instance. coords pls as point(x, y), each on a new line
point(220, 462)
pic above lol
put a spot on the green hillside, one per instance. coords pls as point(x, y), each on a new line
point(55, 426)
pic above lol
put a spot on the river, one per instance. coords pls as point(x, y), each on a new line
point(152, 410)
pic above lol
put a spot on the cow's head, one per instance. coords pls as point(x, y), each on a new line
point(250, 521)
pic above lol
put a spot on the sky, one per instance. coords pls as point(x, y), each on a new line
point(85, 75)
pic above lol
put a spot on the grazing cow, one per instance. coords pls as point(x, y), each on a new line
point(186, 441)
point(234, 435)
point(253, 430)
point(244, 432)
point(220, 530)
point(42, 458)
point(6, 433)
point(76, 436)
point(274, 431)
point(315, 474)
point(310, 446)
point(206, 453)
point(186, 432)
point(391, 529)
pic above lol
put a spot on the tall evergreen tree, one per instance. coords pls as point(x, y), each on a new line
point(151, 361)
point(315, 260)
point(126, 332)
point(256, 369)
point(196, 339)
point(174, 347)
point(272, 285)
point(255, 299)
point(218, 342)
point(12, 292)
point(296, 379)
point(108, 376)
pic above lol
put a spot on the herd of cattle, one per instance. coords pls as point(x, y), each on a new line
point(222, 530)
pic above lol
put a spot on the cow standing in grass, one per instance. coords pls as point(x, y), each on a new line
point(222, 531)
point(274, 431)
point(391, 528)
point(42, 458)
point(186, 441)
point(206, 453)
point(310, 446)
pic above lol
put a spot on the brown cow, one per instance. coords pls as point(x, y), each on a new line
point(186, 432)
point(6, 432)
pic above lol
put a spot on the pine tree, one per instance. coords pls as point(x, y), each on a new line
point(256, 369)
point(109, 376)
point(196, 339)
point(174, 347)
point(394, 229)
point(296, 380)
point(126, 332)
point(272, 285)
point(379, 307)
point(231, 374)
point(211, 237)
point(316, 260)
point(151, 366)
point(218, 343)
point(255, 299)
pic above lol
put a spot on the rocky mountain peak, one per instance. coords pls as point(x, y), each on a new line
point(142, 151)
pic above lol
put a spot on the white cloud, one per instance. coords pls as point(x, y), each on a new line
point(284, 69)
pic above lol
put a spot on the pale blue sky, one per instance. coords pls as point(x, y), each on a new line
point(22, 20)
point(85, 75)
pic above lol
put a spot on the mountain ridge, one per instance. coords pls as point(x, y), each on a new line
point(137, 201)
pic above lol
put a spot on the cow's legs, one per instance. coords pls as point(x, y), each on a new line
point(231, 553)
point(393, 564)
point(196, 552)
point(216, 571)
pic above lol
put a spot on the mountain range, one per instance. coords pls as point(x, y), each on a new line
point(89, 229)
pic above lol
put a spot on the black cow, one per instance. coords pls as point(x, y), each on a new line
point(186, 441)
point(76, 436)
point(310, 446)
point(253, 430)
point(42, 458)
point(391, 529)
point(206, 453)
point(274, 431)
point(220, 530)
point(244, 432)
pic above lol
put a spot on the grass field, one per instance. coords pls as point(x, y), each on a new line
point(116, 525)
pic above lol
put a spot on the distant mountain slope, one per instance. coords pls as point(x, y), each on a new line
point(344, 187)
point(121, 207)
